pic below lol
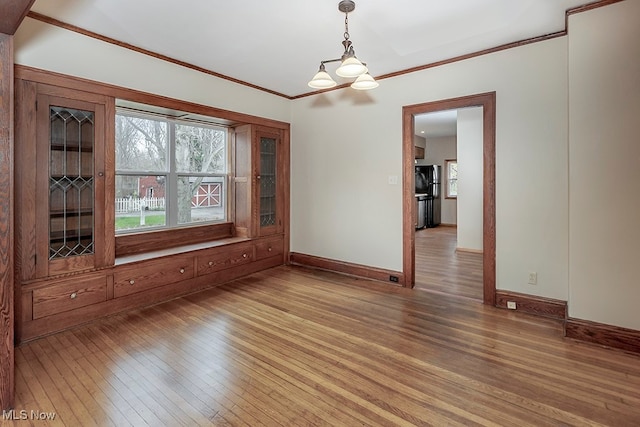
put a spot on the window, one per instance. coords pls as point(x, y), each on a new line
point(451, 166)
point(169, 173)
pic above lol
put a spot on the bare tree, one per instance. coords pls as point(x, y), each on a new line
point(141, 145)
point(200, 150)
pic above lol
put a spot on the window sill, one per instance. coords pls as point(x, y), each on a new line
point(160, 240)
point(177, 250)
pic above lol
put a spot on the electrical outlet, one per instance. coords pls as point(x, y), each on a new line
point(533, 278)
point(393, 179)
point(393, 279)
point(511, 305)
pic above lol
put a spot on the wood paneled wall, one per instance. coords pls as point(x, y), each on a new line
point(6, 222)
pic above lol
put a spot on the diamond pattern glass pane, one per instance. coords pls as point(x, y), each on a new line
point(71, 183)
point(267, 182)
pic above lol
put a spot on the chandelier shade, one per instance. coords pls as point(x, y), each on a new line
point(322, 80)
point(350, 66)
point(364, 82)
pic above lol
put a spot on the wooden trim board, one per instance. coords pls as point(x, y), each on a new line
point(472, 251)
point(581, 330)
point(603, 334)
point(531, 304)
point(7, 378)
point(343, 267)
point(60, 80)
point(488, 103)
point(55, 22)
point(12, 13)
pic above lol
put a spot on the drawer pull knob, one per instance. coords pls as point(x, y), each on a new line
point(73, 295)
point(210, 262)
point(131, 282)
point(182, 271)
point(244, 255)
point(270, 249)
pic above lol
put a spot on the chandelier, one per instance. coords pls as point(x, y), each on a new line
point(350, 66)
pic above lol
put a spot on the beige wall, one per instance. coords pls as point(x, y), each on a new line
point(51, 48)
point(346, 144)
point(470, 189)
point(604, 164)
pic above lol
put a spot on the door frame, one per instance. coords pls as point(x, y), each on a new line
point(488, 102)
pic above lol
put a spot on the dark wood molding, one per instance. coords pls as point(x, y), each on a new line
point(488, 51)
point(590, 6)
point(71, 82)
point(7, 379)
point(469, 250)
point(55, 22)
point(75, 29)
point(343, 267)
point(474, 54)
point(12, 13)
point(488, 102)
point(603, 334)
point(448, 61)
point(531, 304)
point(134, 243)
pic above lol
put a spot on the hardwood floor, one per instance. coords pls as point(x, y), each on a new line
point(292, 346)
point(439, 268)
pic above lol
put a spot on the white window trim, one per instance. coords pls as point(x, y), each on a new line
point(171, 190)
point(448, 194)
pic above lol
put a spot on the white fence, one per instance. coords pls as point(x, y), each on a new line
point(135, 204)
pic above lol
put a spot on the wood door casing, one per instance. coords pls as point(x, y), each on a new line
point(488, 102)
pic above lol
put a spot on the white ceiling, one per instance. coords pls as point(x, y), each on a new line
point(437, 124)
point(278, 44)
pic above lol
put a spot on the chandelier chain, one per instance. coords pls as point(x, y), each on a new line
point(346, 26)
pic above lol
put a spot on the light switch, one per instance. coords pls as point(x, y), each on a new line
point(393, 179)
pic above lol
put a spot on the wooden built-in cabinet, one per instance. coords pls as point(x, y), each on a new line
point(61, 170)
point(138, 277)
point(260, 180)
point(68, 294)
point(70, 266)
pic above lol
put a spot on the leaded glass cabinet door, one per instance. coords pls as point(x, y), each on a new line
point(70, 177)
point(269, 181)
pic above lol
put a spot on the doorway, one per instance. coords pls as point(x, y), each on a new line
point(448, 251)
point(487, 101)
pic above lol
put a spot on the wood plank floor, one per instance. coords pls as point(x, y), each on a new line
point(292, 346)
point(439, 268)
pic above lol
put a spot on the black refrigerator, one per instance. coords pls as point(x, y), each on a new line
point(428, 185)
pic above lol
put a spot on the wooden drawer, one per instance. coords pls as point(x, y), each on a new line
point(224, 257)
point(269, 247)
point(69, 295)
point(151, 274)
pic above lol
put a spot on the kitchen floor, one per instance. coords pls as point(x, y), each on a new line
point(439, 268)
